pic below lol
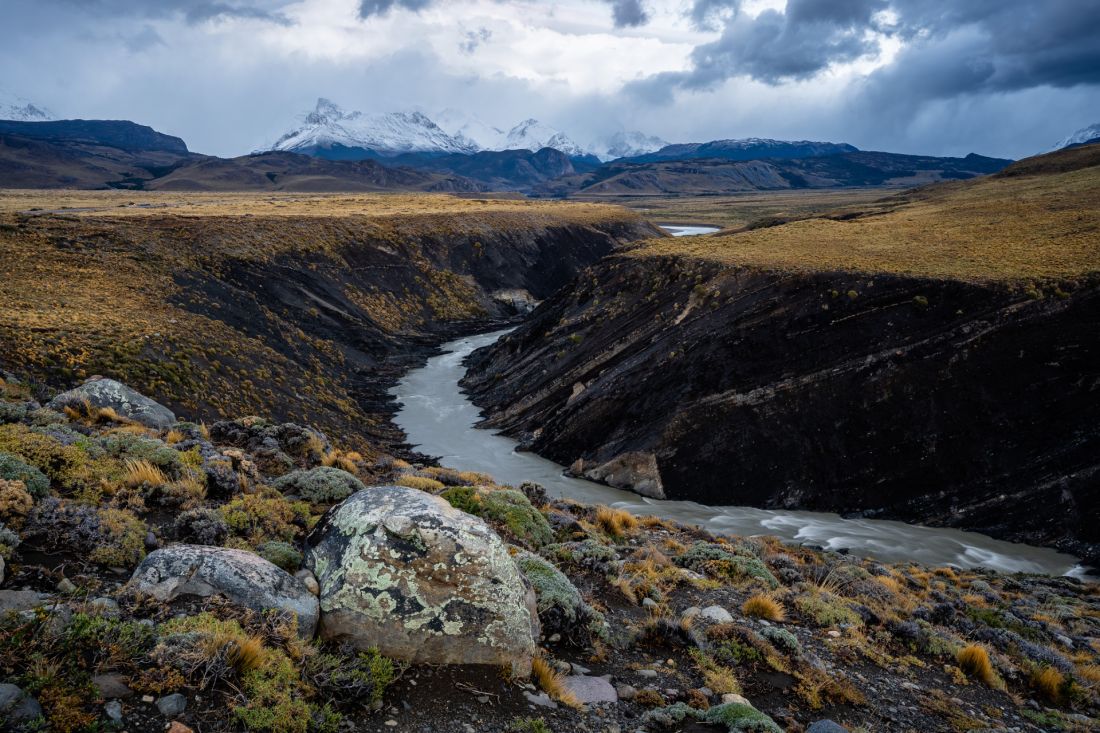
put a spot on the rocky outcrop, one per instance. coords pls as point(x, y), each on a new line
point(107, 393)
point(945, 402)
point(242, 577)
point(402, 571)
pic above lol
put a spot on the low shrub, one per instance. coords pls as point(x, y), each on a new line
point(974, 661)
point(258, 518)
point(763, 606)
point(122, 541)
point(717, 561)
point(421, 483)
point(202, 525)
point(321, 485)
point(561, 608)
point(34, 481)
point(282, 554)
point(741, 718)
point(15, 502)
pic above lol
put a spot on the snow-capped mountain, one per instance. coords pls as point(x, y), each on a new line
point(17, 108)
point(471, 129)
point(1084, 135)
point(328, 128)
point(534, 135)
point(627, 144)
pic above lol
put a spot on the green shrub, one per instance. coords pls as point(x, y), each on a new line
point(350, 674)
point(123, 539)
point(740, 718)
point(283, 554)
point(781, 639)
point(321, 485)
point(825, 609)
point(512, 509)
point(560, 605)
point(463, 498)
point(14, 469)
point(12, 412)
point(718, 561)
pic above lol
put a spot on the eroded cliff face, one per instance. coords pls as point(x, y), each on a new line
point(936, 401)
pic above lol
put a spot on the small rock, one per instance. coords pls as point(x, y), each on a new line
point(16, 706)
point(309, 581)
point(104, 606)
point(578, 669)
point(833, 633)
point(20, 600)
point(706, 692)
point(626, 692)
point(731, 697)
point(826, 726)
point(717, 614)
point(647, 673)
point(590, 689)
point(483, 699)
point(178, 727)
point(125, 401)
point(172, 705)
point(554, 638)
point(649, 603)
point(113, 709)
point(147, 698)
point(151, 541)
point(391, 723)
point(541, 699)
point(910, 686)
point(66, 586)
point(112, 686)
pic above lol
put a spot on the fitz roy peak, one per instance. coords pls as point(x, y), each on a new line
point(330, 132)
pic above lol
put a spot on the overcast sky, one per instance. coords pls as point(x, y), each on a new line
point(948, 77)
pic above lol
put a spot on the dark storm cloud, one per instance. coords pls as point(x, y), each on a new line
point(706, 13)
point(628, 13)
point(367, 8)
point(950, 48)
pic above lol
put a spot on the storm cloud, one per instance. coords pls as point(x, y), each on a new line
point(998, 77)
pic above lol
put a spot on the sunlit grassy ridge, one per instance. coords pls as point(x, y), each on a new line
point(1038, 222)
point(167, 291)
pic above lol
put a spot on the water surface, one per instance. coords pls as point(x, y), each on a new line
point(439, 420)
point(684, 230)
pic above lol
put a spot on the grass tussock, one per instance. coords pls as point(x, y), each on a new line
point(1049, 683)
point(764, 606)
point(140, 472)
point(552, 683)
point(974, 660)
point(615, 522)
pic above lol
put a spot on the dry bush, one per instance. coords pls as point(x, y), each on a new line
point(553, 683)
point(974, 660)
point(615, 522)
point(764, 606)
point(1048, 682)
point(140, 472)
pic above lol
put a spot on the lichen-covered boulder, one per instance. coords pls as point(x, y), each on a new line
point(403, 571)
point(242, 577)
point(123, 400)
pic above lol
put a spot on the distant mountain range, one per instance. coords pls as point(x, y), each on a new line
point(332, 150)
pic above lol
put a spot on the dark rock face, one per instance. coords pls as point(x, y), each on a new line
point(943, 402)
point(242, 577)
point(405, 572)
point(123, 400)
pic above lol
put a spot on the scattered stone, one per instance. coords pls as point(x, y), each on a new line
point(590, 689)
point(15, 601)
point(647, 673)
point(626, 692)
point(112, 686)
point(403, 571)
point(66, 586)
point(178, 727)
point(16, 706)
point(243, 577)
point(578, 669)
point(105, 606)
point(126, 402)
point(649, 603)
point(716, 614)
point(113, 709)
point(733, 697)
point(172, 705)
point(309, 581)
point(147, 698)
point(826, 726)
point(541, 699)
point(151, 541)
point(833, 633)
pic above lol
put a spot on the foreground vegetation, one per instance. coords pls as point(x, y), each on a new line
point(740, 633)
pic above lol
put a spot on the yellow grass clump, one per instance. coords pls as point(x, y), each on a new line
point(615, 522)
point(139, 471)
point(553, 683)
point(764, 606)
point(974, 660)
point(1048, 682)
point(420, 482)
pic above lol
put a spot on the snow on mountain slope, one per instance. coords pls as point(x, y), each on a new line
point(471, 129)
point(1084, 135)
point(534, 135)
point(626, 144)
point(328, 126)
point(19, 109)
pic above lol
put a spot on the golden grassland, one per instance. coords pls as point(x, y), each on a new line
point(738, 211)
point(1005, 228)
point(374, 205)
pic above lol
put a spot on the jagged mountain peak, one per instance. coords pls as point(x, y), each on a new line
point(1084, 135)
point(17, 108)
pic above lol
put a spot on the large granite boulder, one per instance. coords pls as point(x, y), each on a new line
point(242, 577)
point(404, 571)
point(123, 400)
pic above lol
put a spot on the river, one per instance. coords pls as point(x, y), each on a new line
point(440, 421)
